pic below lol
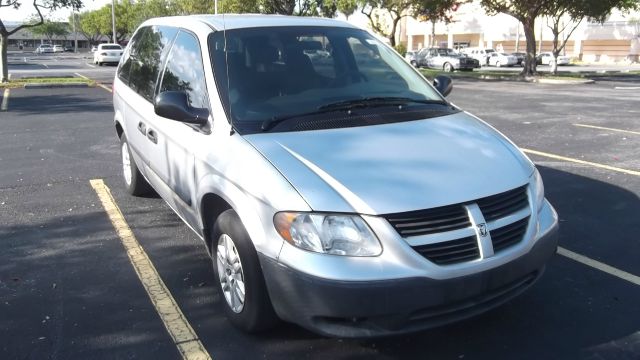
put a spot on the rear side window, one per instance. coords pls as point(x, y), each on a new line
point(185, 70)
point(147, 55)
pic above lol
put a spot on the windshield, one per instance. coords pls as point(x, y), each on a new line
point(111, 47)
point(289, 73)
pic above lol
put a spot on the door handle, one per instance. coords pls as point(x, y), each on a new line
point(151, 135)
point(142, 128)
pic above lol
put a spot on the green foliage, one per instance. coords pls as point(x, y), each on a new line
point(347, 7)
point(401, 49)
point(49, 29)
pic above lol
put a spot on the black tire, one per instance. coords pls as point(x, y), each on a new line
point(413, 62)
point(447, 67)
point(137, 185)
point(257, 313)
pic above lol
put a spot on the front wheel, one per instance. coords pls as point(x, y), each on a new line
point(447, 67)
point(134, 182)
point(498, 64)
point(240, 279)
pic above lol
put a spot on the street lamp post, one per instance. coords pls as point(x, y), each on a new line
point(113, 20)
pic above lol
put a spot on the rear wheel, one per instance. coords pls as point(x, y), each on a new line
point(135, 183)
point(240, 279)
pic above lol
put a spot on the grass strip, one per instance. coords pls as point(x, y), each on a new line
point(18, 83)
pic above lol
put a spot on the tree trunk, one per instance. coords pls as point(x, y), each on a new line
point(530, 61)
point(394, 28)
point(4, 63)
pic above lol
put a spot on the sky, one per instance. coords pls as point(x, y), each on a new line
point(27, 10)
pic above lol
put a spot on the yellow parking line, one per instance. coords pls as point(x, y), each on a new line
point(105, 87)
point(600, 266)
point(606, 128)
point(174, 320)
point(5, 100)
point(578, 161)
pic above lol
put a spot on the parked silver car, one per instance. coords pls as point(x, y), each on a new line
point(411, 57)
point(343, 192)
point(447, 60)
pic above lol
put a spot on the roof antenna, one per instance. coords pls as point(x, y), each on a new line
point(226, 63)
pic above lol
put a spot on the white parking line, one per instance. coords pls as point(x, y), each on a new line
point(82, 76)
point(5, 100)
point(606, 128)
point(90, 65)
point(627, 87)
point(578, 161)
point(600, 266)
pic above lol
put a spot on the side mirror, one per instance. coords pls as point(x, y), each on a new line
point(174, 105)
point(443, 84)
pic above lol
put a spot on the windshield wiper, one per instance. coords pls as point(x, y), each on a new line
point(348, 105)
point(273, 121)
point(377, 101)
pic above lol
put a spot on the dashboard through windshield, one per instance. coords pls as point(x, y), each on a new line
point(293, 72)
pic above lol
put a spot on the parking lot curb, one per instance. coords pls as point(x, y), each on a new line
point(563, 81)
point(56, 85)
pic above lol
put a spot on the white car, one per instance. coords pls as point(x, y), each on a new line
point(107, 53)
point(502, 59)
point(44, 48)
point(58, 48)
point(546, 58)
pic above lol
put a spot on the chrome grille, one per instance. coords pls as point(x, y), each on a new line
point(500, 205)
point(454, 217)
point(509, 235)
point(429, 221)
point(451, 252)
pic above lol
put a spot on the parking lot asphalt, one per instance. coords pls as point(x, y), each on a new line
point(68, 291)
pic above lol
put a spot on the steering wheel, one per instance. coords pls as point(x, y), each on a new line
point(353, 75)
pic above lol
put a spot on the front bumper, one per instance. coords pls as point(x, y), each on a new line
point(384, 307)
point(469, 66)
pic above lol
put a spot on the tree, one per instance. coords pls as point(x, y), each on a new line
point(384, 15)
point(577, 11)
point(434, 11)
point(347, 7)
point(89, 27)
point(526, 11)
point(38, 5)
point(49, 29)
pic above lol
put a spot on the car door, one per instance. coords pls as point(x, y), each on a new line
point(173, 160)
point(142, 65)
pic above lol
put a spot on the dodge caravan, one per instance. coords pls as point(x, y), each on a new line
point(334, 186)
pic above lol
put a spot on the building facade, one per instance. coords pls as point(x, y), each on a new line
point(26, 41)
point(615, 40)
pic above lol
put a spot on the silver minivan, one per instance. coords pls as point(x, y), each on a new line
point(334, 186)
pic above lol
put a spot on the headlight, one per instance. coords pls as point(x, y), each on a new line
point(336, 234)
point(538, 189)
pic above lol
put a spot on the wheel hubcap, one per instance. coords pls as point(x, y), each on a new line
point(230, 273)
point(126, 164)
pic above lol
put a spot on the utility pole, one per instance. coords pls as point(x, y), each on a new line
point(113, 20)
point(215, 7)
point(75, 33)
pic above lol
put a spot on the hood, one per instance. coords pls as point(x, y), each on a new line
point(396, 167)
